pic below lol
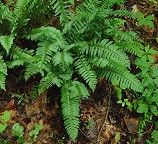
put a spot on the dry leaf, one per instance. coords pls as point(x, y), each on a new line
point(132, 124)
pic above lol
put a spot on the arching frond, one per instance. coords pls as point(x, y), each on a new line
point(72, 92)
point(104, 49)
point(119, 75)
point(85, 70)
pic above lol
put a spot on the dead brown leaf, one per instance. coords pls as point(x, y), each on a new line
point(132, 124)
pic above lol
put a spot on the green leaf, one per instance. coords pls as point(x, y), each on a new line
point(155, 81)
point(3, 127)
point(17, 130)
point(149, 17)
point(155, 97)
point(155, 73)
point(154, 110)
point(142, 108)
point(3, 67)
point(21, 139)
point(6, 116)
point(117, 137)
point(152, 51)
point(6, 42)
point(140, 15)
point(150, 58)
point(150, 24)
point(142, 22)
point(72, 2)
point(119, 93)
point(119, 101)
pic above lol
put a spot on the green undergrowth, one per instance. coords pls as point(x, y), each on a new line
point(89, 43)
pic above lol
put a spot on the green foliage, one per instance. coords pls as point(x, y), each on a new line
point(3, 120)
point(3, 73)
point(147, 102)
point(89, 44)
point(72, 92)
point(154, 138)
point(147, 21)
point(123, 102)
point(35, 132)
point(20, 98)
point(17, 130)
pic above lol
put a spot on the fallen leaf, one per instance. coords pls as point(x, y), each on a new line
point(9, 105)
point(132, 124)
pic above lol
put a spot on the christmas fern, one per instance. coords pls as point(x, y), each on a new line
point(72, 93)
point(89, 44)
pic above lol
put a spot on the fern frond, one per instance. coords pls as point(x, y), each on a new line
point(121, 13)
point(2, 81)
point(46, 33)
point(119, 75)
point(79, 89)
point(105, 49)
point(3, 73)
point(110, 3)
point(62, 58)
point(132, 47)
point(20, 56)
point(48, 81)
point(44, 54)
point(71, 94)
point(62, 9)
point(31, 70)
point(3, 67)
point(85, 70)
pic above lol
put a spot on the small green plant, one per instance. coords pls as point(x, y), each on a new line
point(20, 98)
point(154, 136)
point(147, 102)
point(34, 92)
point(17, 130)
point(146, 21)
point(153, 1)
point(90, 124)
point(35, 132)
point(3, 120)
point(123, 102)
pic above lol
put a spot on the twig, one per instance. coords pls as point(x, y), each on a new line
point(106, 115)
point(85, 135)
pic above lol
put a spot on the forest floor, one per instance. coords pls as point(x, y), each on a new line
point(102, 119)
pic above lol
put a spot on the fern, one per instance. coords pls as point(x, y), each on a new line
point(3, 73)
point(61, 9)
point(72, 92)
point(105, 49)
point(85, 70)
point(90, 43)
point(118, 75)
point(48, 81)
